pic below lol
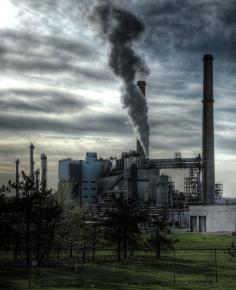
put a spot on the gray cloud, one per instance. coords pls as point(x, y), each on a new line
point(24, 52)
point(100, 124)
point(47, 101)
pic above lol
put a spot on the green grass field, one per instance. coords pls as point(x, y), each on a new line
point(194, 269)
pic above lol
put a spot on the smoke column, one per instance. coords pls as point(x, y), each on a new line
point(121, 28)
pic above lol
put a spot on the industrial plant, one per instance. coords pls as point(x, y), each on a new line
point(92, 181)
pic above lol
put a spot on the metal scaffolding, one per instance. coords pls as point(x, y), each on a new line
point(218, 190)
point(192, 186)
point(177, 162)
point(192, 183)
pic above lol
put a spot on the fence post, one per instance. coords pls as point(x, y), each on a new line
point(174, 274)
point(29, 279)
point(94, 245)
point(130, 267)
point(216, 270)
point(82, 268)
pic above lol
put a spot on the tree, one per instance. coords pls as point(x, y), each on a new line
point(32, 219)
point(160, 233)
point(11, 220)
point(122, 223)
point(72, 230)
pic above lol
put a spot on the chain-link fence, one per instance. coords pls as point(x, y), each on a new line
point(97, 267)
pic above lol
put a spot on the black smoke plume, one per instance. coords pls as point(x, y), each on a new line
point(121, 28)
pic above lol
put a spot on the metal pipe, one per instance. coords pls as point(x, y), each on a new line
point(17, 177)
point(44, 171)
point(32, 161)
point(208, 159)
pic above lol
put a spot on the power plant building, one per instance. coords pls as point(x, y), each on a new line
point(131, 176)
point(79, 177)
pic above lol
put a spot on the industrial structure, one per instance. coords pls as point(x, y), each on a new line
point(44, 169)
point(17, 177)
point(93, 181)
point(78, 178)
point(34, 174)
point(140, 177)
point(208, 160)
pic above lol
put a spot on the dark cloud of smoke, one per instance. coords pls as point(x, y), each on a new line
point(122, 28)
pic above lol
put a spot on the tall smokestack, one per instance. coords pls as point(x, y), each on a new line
point(32, 160)
point(208, 159)
point(17, 177)
point(44, 171)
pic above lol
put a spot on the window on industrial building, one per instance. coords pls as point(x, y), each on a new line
point(85, 196)
point(85, 188)
point(93, 188)
point(93, 181)
point(85, 181)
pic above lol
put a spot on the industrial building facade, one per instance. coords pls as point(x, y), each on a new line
point(79, 177)
point(91, 179)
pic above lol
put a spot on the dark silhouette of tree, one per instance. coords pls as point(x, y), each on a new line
point(121, 224)
point(31, 219)
point(160, 227)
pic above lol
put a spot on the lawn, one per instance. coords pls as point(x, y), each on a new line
point(194, 269)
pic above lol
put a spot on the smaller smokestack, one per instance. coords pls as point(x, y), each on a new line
point(32, 161)
point(17, 177)
point(140, 150)
point(142, 87)
point(44, 171)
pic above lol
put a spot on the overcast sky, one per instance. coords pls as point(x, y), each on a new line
point(58, 91)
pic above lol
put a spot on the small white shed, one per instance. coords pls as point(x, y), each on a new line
point(212, 218)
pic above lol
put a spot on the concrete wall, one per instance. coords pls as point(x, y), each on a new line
point(219, 218)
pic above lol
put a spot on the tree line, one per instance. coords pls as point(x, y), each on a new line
point(37, 222)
